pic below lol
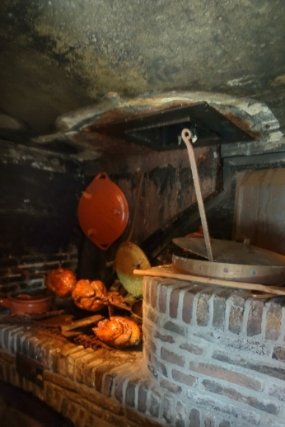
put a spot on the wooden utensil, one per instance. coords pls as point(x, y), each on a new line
point(169, 272)
point(87, 321)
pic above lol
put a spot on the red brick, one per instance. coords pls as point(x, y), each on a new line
point(173, 388)
point(277, 392)
point(132, 419)
point(158, 366)
point(154, 404)
point(171, 357)
point(167, 410)
point(89, 372)
point(152, 315)
point(153, 294)
point(233, 394)
point(181, 415)
point(219, 308)
point(142, 398)
point(255, 318)
point(279, 353)
point(242, 416)
point(203, 308)
point(119, 388)
point(107, 386)
point(130, 394)
point(173, 305)
point(269, 370)
point(191, 348)
point(150, 346)
point(194, 417)
point(226, 375)
point(152, 366)
point(175, 296)
point(175, 328)
point(209, 421)
point(164, 338)
point(236, 314)
point(147, 287)
point(187, 306)
point(99, 372)
point(273, 321)
point(80, 366)
point(111, 420)
point(183, 378)
point(162, 298)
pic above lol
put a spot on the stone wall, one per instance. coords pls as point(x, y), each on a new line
point(39, 193)
point(27, 272)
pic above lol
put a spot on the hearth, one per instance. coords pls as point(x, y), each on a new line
point(210, 355)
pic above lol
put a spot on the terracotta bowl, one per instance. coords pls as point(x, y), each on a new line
point(27, 303)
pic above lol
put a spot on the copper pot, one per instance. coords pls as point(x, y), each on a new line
point(26, 303)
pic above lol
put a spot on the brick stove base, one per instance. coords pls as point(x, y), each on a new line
point(220, 354)
point(89, 387)
point(211, 358)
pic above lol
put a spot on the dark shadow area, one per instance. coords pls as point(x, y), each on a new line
point(22, 409)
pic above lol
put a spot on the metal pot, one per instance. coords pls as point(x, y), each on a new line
point(236, 261)
point(27, 304)
point(225, 259)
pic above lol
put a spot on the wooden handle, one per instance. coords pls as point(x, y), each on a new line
point(169, 272)
point(82, 322)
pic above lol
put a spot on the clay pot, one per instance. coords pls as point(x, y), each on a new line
point(27, 304)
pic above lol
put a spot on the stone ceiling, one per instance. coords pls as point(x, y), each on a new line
point(60, 55)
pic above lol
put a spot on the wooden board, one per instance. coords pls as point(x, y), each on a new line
point(168, 271)
point(86, 321)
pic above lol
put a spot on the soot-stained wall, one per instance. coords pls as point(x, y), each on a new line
point(39, 193)
point(59, 55)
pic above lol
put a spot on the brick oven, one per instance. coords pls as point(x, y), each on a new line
point(106, 89)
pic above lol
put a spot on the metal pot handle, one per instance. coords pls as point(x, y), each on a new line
point(188, 140)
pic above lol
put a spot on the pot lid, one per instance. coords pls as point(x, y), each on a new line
point(103, 211)
point(231, 252)
point(129, 257)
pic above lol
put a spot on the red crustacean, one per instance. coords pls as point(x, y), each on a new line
point(118, 331)
point(90, 295)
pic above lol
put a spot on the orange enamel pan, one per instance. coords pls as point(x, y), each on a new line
point(103, 211)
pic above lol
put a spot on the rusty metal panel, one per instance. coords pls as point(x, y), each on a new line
point(168, 189)
point(259, 212)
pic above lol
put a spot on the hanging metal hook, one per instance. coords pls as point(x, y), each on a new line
point(189, 139)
